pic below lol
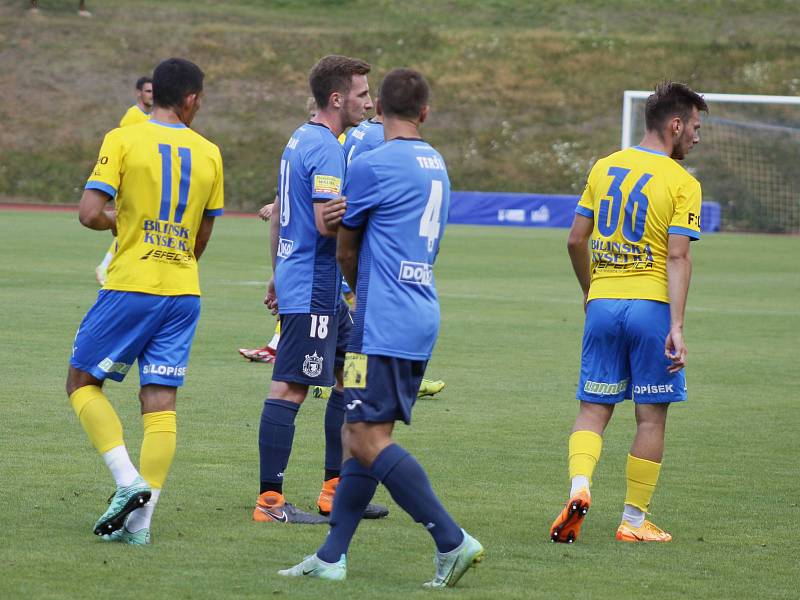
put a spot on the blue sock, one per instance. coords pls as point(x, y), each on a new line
point(356, 488)
point(275, 436)
point(408, 484)
point(334, 419)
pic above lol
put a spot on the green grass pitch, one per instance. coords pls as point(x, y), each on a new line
point(494, 442)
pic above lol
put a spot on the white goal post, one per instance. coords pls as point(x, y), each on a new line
point(748, 160)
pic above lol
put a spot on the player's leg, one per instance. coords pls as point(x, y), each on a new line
point(305, 357)
point(334, 420)
point(654, 388)
point(389, 394)
point(603, 383)
point(268, 352)
point(108, 341)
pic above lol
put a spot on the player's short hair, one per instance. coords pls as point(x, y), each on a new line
point(671, 99)
point(174, 79)
point(334, 73)
point(141, 81)
point(403, 93)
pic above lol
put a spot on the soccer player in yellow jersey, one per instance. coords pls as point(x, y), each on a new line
point(629, 246)
point(138, 113)
point(167, 184)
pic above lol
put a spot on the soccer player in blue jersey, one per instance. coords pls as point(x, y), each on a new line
point(397, 204)
point(367, 136)
point(629, 246)
point(306, 287)
point(167, 184)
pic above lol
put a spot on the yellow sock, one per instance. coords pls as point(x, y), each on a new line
point(584, 452)
point(158, 446)
point(642, 477)
point(98, 418)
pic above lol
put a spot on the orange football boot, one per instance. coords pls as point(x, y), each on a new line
point(648, 532)
point(272, 507)
point(567, 525)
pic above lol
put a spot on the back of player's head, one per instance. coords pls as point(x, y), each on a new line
point(403, 93)
point(334, 73)
point(141, 81)
point(671, 99)
point(174, 79)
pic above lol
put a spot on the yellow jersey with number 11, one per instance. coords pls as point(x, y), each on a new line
point(164, 178)
point(637, 197)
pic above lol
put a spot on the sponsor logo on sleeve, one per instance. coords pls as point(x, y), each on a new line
point(327, 184)
point(416, 273)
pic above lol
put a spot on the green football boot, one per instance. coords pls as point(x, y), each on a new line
point(314, 567)
point(134, 538)
point(429, 387)
point(125, 500)
point(452, 565)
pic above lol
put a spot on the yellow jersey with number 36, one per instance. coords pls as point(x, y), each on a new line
point(637, 197)
point(164, 179)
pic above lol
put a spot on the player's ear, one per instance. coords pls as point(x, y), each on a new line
point(423, 114)
point(335, 100)
point(378, 107)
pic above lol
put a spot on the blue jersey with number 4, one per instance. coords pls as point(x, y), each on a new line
point(307, 278)
point(399, 194)
point(367, 136)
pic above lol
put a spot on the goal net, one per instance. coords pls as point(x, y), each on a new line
point(748, 159)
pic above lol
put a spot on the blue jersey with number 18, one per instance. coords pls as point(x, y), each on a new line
point(307, 278)
point(399, 194)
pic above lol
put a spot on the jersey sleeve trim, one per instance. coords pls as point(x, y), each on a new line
point(351, 227)
point(214, 212)
point(103, 187)
point(586, 212)
point(691, 233)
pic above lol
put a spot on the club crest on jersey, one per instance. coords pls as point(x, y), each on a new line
point(312, 365)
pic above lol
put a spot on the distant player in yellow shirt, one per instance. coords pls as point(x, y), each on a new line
point(167, 184)
point(138, 113)
point(629, 247)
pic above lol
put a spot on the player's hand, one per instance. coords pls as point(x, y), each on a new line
point(271, 299)
point(675, 350)
point(333, 211)
point(265, 212)
point(112, 216)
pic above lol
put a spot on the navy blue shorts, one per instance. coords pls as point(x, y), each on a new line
point(307, 349)
point(381, 389)
point(125, 326)
point(623, 354)
point(343, 335)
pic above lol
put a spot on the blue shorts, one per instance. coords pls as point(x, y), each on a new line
point(307, 349)
point(623, 354)
point(345, 318)
point(381, 389)
point(121, 327)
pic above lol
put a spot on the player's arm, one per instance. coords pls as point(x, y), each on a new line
point(325, 218)
point(203, 235)
point(270, 298)
point(679, 273)
point(92, 213)
point(348, 243)
point(578, 248)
